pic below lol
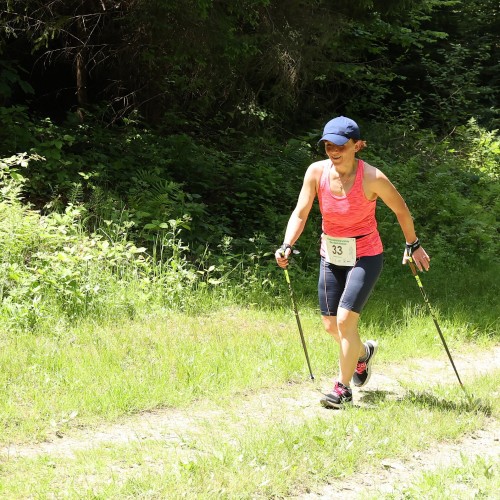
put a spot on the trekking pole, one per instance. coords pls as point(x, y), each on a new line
point(426, 300)
point(287, 277)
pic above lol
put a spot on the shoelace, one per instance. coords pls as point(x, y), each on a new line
point(341, 391)
point(361, 367)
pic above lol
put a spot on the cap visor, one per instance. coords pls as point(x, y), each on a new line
point(339, 140)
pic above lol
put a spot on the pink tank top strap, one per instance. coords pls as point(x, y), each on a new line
point(325, 177)
point(358, 181)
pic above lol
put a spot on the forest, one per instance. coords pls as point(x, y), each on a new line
point(151, 152)
point(175, 134)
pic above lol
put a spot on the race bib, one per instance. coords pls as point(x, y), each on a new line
point(340, 251)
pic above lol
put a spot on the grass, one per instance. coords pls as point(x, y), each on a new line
point(250, 457)
point(473, 478)
point(102, 371)
point(99, 370)
point(60, 377)
point(92, 374)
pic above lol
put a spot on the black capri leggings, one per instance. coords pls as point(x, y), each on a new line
point(346, 286)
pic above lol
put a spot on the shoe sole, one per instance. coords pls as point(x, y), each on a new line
point(369, 365)
point(335, 406)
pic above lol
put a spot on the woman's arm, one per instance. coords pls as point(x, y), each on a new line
point(298, 219)
point(382, 187)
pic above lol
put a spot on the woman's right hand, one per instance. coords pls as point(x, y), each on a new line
point(282, 255)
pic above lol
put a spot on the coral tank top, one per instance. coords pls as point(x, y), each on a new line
point(349, 216)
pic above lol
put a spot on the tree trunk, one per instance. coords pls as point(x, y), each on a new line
point(81, 79)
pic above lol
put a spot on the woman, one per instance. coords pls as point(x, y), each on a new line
point(351, 250)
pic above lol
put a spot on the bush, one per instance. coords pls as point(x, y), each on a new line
point(450, 185)
point(53, 271)
point(185, 198)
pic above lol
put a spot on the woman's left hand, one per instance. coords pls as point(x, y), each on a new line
point(420, 257)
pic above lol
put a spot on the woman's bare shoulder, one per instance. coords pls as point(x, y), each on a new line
point(372, 173)
point(316, 169)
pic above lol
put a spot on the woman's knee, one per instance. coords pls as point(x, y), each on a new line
point(330, 324)
point(347, 322)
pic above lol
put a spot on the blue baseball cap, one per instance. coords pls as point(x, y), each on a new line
point(340, 130)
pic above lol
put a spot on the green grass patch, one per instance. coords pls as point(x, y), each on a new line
point(253, 456)
point(101, 371)
point(104, 371)
point(474, 478)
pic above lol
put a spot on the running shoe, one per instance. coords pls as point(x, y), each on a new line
point(363, 369)
point(339, 396)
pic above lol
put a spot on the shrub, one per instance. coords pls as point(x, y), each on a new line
point(450, 185)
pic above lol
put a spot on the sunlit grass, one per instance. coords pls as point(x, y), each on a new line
point(475, 477)
point(104, 370)
point(236, 456)
point(215, 348)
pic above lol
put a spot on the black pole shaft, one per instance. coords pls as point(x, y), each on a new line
point(298, 322)
point(426, 300)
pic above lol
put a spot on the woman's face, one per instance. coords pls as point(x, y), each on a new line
point(341, 155)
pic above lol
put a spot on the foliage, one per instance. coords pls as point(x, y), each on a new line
point(204, 67)
point(11, 81)
point(131, 175)
point(81, 37)
point(48, 263)
point(451, 187)
point(190, 124)
point(446, 81)
point(54, 269)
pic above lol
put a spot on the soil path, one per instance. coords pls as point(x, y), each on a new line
point(301, 400)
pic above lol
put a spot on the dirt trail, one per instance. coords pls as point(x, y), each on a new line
point(393, 476)
point(301, 400)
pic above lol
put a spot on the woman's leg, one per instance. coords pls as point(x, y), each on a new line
point(343, 292)
point(331, 286)
point(361, 280)
point(351, 347)
point(331, 326)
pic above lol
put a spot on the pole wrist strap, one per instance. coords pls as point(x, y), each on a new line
point(411, 247)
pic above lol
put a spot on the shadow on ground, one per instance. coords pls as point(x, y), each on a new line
point(371, 398)
point(428, 400)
